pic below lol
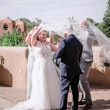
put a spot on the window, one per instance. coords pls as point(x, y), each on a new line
point(5, 26)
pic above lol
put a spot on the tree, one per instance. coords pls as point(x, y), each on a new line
point(106, 21)
point(37, 21)
point(91, 21)
point(29, 24)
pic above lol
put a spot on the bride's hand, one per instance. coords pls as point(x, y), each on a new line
point(58, 41)
point(51, 37)
point(36, 27)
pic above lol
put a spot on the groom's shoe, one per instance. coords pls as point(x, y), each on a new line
point(88, 106)
point(82, 102)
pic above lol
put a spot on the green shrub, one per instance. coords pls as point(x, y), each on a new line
point(13, 39)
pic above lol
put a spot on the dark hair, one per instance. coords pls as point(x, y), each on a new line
point(37, 38)
point(42, 31)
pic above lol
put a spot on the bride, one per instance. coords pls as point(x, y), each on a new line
point(45, 93)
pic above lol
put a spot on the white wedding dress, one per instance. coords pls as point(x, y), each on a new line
point(45, 94)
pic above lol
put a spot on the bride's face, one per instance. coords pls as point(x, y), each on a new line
point(43, 36)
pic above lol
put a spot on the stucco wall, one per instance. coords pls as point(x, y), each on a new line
point(13, 61)
point(99, 74)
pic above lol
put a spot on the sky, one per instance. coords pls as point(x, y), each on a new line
point(56, 11)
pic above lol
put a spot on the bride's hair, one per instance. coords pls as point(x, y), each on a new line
point(37, 38)
point(40, 32)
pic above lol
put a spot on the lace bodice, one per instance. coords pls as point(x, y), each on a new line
point(42, 50)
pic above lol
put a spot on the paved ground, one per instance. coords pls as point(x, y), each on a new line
point(101, 97)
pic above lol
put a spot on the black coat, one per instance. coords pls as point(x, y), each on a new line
point(69, 50)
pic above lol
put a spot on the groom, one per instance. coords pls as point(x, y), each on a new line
point(69, 50)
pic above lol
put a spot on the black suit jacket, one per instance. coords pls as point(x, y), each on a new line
point(69, 50)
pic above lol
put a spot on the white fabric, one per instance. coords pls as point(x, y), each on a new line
point(45, 93)
point(54, 28)
point(86, 37)
point(103, 42)
point(96, 35)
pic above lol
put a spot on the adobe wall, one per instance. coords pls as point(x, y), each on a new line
point(8, 25)
point(99, 74)
point(13, 61)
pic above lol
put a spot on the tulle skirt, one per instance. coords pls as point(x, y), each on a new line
point(45, 93)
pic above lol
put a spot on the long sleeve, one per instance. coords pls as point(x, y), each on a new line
point(60, 50)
